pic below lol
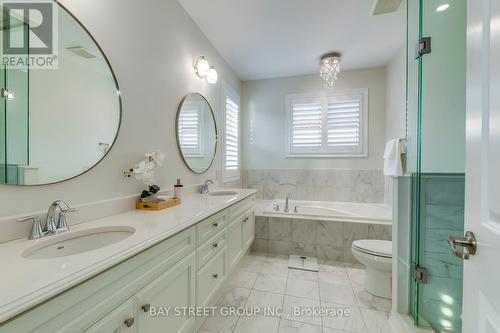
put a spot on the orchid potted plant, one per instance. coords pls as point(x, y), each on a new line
point(144, 171)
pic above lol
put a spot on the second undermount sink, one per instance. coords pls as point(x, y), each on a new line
point(72, 243)
point(222, 192)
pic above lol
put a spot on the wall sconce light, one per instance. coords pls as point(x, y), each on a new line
point(204, 70)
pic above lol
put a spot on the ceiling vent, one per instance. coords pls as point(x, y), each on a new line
point(82, 52)
point(381, 7)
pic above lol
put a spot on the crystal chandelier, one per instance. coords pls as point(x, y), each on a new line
point(330, 68)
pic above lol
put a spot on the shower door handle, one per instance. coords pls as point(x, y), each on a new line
point(468, 243)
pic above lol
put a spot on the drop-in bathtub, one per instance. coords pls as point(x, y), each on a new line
point(327, 211)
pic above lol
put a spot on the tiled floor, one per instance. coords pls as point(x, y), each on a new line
point(266, 281)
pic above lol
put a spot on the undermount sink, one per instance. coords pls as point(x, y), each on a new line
point(222, 192)
point(72, 243)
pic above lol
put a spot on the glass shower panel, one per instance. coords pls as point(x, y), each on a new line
point(438, 197)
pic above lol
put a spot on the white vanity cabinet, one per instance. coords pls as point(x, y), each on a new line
point(186, 270)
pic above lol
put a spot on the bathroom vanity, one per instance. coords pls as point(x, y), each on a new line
point(174, 259)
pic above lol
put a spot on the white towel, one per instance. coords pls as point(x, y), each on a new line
point(393, 165)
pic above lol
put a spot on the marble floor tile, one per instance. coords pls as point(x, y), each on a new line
point(376, 321)
point(218, 323)
point(234, 297)
point(365, 300)
point(292, 304)
point(300, 274)
point(356, 276)
point(277, 258)
point(351, 322)
point(244, 279)
point(272, 283)
point(252, 263)
point(255, 324)
point(289, 326)
point(332, 330)
point(302, 288)
point(329, 265)
point(264, 299)
point(336, 293)
point(335, 276)
point(279, 268)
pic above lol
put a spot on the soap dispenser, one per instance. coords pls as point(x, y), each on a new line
point(178, 189)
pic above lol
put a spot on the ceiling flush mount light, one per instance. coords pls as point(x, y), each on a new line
point(443, 7)
point(330, 68)
point(204, 70)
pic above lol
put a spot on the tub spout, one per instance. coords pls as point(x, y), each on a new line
point(286, 210)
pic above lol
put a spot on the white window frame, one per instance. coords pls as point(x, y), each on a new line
point(324, 97)
point(230, 175)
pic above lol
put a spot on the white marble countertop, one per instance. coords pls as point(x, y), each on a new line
point(25, 283)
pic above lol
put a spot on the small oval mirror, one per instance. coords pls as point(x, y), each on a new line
point(196, 132)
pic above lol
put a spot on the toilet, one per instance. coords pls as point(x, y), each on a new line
point(376, 256)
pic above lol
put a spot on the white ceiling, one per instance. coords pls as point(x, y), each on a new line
point(276, 38)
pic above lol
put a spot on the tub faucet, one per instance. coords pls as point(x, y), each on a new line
point(286, 210)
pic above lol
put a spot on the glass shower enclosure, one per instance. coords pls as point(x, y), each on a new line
point(431, 194)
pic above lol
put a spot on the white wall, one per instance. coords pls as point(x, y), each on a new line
point(263, 104)
point(395, 118)
point(151, 46)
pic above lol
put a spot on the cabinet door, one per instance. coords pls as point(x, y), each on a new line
point(158, 304)
point(248, 228)
point(120, 320)
point(235, 243)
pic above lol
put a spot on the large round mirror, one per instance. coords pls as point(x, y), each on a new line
point(60, 105)
point(196, 133)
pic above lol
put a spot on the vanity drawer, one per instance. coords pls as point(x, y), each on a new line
point(206, 251)
point(210, 278)
point(209, 227)
point(240, 208)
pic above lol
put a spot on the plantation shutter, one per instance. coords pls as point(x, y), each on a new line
point(327, 124)
point(344, 124)
point(306, 133)
point(232, 138)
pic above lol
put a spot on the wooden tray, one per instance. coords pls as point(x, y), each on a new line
point(158, 205)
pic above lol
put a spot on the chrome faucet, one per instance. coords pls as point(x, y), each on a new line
point(204, 187)
point(286, 210)
point(50, 227)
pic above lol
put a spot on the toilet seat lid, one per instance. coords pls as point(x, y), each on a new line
point(376, 247)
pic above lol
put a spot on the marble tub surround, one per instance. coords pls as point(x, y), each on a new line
point(327, 240)
point(28, 282)
point(317, 184)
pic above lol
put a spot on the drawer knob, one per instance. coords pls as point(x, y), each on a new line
point(215, 225)
point(245, 219)
point(215, 245)
point(146, 307)
point(129, 322)
point(215, 276)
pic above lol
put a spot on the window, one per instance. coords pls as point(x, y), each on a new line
point(327, 124)
point(190, 130)
point(231, 161)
